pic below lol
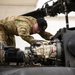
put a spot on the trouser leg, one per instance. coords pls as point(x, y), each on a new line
point(10, 40)
point(5, 40)
point(3, 36)
point(2, 43)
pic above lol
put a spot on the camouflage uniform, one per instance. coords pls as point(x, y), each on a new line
point(20, 26)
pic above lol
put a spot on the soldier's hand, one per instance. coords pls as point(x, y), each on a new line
point(38, 44)
point(51, 37)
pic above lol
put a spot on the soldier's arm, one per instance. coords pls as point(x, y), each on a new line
point(29, 39)
point(23, 32)
point(45, 35)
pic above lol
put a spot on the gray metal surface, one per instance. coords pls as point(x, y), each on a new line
point(37, 71)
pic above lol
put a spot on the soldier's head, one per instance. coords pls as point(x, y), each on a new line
point(40, 25)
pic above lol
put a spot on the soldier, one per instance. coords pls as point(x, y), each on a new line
point(23, 26)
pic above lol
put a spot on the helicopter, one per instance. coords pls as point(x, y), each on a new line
point(64, 40)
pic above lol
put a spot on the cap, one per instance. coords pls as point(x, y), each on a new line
point(42, 24)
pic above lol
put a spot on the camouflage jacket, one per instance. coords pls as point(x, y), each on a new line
point(21, 26)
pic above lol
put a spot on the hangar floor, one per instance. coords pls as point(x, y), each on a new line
point(9, 70)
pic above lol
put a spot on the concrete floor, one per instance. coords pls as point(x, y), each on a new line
point(37, 71)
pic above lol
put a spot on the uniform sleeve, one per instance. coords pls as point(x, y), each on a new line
point(23, 32)
point(29, 39)
point(45, 35)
